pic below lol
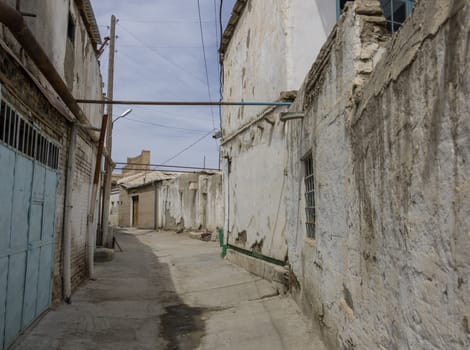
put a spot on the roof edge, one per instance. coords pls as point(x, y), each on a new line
point(237, 12)
point(86, 10)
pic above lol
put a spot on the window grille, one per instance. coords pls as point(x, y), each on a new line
point(395, 11)
point(309, 197)
point(19, 134)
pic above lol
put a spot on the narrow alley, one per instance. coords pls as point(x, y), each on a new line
point(168, 291)
point(235, 174)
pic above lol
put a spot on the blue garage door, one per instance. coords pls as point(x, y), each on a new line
point(27, 223)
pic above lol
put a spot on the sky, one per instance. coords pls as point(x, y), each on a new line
point(159, 56)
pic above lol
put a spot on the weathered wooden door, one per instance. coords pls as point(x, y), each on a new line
point(27, 230)
point(135, 211)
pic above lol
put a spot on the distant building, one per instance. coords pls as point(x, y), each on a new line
point(151, 199)
point(171, 201)
point(137, 164)
point(44, 67)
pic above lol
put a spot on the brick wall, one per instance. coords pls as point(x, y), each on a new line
point(20, 90)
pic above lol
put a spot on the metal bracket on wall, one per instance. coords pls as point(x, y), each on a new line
point(285, 116)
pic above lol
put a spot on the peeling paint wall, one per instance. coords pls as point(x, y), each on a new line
point(270, 52)
point(191, 201)
point(387, 122)
point(256, 185)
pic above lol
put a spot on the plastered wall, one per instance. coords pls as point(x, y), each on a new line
point(270, 51)
point(387, 122)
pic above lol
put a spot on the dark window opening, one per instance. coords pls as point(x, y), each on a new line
point(309, 197)
point(2, 121)
point(71, 29)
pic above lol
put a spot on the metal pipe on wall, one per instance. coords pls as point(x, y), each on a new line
point(94, 191)
point(67, 227)
point(184, 103)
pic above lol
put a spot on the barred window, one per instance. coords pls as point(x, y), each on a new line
point(19, 134)
point(395, 11)
point(309, 197)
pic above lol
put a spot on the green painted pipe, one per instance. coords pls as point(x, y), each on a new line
point(246, 252)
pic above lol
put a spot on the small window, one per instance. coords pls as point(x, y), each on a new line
point(395, 11)
point(309, 197)
point(71, 29)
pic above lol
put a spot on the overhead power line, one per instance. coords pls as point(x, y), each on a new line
point(188, 147)
point(164, 166)
point(163, 57)
point(205, 59)
point(166, 126)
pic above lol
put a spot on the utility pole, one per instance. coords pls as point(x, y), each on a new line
point(109, 166)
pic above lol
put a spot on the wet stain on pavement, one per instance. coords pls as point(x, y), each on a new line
point(182, 326)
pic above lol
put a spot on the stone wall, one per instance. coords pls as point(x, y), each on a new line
point(387, 122)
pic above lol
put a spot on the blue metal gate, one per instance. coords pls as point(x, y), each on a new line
point(27, 226)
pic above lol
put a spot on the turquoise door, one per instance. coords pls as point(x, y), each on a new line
point(27, 226)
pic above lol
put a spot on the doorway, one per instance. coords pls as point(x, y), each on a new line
point(135, 211)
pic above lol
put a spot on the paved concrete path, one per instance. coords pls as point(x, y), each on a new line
point(167, 291)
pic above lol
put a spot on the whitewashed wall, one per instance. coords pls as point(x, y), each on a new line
point(272, 48)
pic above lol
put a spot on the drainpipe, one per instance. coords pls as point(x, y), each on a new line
point(13, 20)
point(67, 229)
point(94, 192)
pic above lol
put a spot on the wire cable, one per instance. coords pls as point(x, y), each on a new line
point(162, 57)
point(199, 131)
point(205, 59)
point(188, 147)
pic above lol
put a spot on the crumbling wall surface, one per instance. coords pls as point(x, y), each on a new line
point(389, 132)
point(256, 185)
point(210, 209)
point(191, 201)
point(251, 69)
point(125, 208)
point(270, 51)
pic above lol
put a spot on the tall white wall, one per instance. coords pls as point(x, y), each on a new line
point(271, 50)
